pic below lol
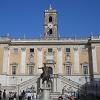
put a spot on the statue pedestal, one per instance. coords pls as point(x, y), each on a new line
point(45, 92)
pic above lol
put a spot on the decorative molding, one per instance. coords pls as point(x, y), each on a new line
point(59, 49)
point(75, 48)
point(92, 47)
point(39, 49)
point(23, 49)
point(6, 48)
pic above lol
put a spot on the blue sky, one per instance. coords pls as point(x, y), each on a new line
point(75, 17)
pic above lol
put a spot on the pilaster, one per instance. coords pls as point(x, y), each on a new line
point(59, 60)
point(76, 60)
point(39, 59)
point(94, 59)
point(23, 61)
point(6, 60)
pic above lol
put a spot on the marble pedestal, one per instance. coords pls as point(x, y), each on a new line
point(45, 92)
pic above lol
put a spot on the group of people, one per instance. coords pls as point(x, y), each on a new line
point(24, 95)
point(3, 95)
point(12, 95)
point(28, 95)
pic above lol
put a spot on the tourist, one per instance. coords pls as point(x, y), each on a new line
point(4, 95)
point(15, 95)
point(0, 95)
point(29, 96)
point(72, 97)
point(34, 95)
point(10, 95)
point(23, 95)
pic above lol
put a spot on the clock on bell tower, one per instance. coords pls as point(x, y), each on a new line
point(50, 24)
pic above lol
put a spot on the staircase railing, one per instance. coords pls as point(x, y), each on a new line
point(27, 83)
point(69, 82)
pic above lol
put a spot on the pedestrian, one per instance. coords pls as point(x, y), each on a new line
point(15, 95)
point(29, 96)
point(23, 94)
point(0, 95)
point(72, 97)
point(4, 94)
point(20, 97)
point(34, 95)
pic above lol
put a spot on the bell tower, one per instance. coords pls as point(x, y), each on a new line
point(50, 24)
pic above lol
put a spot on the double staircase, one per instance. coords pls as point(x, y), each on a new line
point(64, 81)
point(28, 83)
point(69, 82)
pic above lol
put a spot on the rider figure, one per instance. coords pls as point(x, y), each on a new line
point(45, 76)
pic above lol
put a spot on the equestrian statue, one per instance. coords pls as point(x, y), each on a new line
point(45, 76)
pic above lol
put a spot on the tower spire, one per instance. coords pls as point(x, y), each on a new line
point(50, 7)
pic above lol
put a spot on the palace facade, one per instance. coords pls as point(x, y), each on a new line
point(72, 61)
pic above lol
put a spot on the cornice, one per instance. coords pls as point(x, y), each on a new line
point(48, 42)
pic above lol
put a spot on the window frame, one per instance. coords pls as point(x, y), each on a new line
point(14, 69)
point(32, 50)
point(67, 51)
point(68, 70)
point(51, 50)
point(30, 69)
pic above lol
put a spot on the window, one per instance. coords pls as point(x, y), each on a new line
point(50, 19)
point(67, 49)
point(50, 31)
point(85, 70)
point(32, 50)
point(68, 70)
point(14, 70)
point(30, 70)
point(49, 49)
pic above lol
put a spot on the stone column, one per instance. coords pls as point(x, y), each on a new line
point(76, 60)
point(39, 59)
point(5, 60)
point(23, 61)
point(94, 59)
point(59, 60)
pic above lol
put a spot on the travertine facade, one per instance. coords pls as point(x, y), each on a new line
point(74, 59)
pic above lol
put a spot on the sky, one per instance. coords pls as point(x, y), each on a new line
point(25, 18)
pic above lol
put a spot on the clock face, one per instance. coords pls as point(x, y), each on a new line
point(50, 25)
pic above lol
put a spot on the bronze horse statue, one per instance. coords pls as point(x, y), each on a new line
point(45, 76)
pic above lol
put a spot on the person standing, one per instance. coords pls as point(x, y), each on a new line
point(0, 95)
point(4, 95)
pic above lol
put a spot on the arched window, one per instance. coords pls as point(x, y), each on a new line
point(50, 19)
point(50, 31)
point(50, 70)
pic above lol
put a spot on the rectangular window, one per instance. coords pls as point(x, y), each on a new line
point(67, 49)
point(30, 70)
point(50, 50)
point(32, 50)
point(85, 70)
point(14, 70)
point(68, 70)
